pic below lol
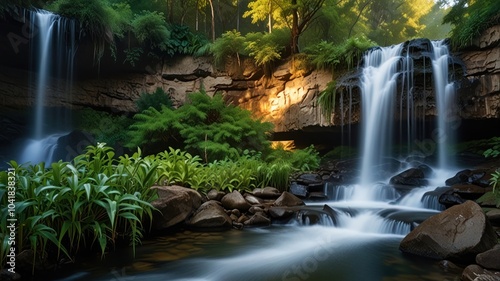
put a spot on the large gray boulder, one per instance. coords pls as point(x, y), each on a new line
point(235, 200)
point(458, 233)
point(288, 200)
point(210, 215)
point(490, 259)
point(175, 203)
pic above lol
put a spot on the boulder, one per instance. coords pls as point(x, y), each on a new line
point(235, 200)
point(458, 234)
point(288, 200)
point(449, 198)
point(475, 272)
point(280, 212)
point(175, 203)
point(253, 199)
point(299, 190)
point(490, 259)
point(210, 215)
point(216, 195)
point(258, 220)
point(309, 178)
point(494, 217)
point(469, 191)
point(460, 177)
point(266, 192)
point(412, 177)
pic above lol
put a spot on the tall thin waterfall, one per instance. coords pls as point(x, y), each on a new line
point(445, 101)
point(52, 50)
point(378, 90)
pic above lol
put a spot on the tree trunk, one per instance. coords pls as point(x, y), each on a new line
point(213, 19)
point(295, 28)
point(270, 20)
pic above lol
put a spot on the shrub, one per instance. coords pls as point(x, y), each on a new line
point(104, 127)
point(156, 100)
point(150, 27)
point(230, 44)
point(203, 126)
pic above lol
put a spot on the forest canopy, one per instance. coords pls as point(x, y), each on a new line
point(168, 27)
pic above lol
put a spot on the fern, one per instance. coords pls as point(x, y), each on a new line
point(204, 126)
point(326, 100)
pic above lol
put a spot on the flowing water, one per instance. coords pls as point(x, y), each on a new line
point(53, 50)
point(358, 240)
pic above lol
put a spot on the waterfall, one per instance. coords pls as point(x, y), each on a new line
point(53, 50)
point(445, 101)
point(378, 90)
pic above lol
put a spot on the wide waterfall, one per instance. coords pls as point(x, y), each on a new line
point(53, 51)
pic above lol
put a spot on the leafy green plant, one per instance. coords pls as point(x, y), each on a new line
point(150, 27)
point(327, 100)
point(329, 55)
point(230, 44)
point(203, 126)
point(103, 126)
point(156, 100)
point(470, 18)
point(493, 195)
point(95, 199)
point(95, 18)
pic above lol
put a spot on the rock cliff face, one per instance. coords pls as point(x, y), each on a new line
point(482, 99)
point(287, 97)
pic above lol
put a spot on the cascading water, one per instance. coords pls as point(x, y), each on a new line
point(445, 101)
point(354, 237)
point(378, 90)
point(53, 50)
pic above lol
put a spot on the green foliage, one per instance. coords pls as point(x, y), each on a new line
point(150, 27)
point(341, 152)
point(264, 47)
point(132, 55)
point(326, 100)
point(329, 55)
point(470, 18)
point(95, 18)
point(183, 42)
point(105, 127)
point(203, 126)
point(494, 150)
point(494, 195)
point(92, 202)
point(156, 100)
point(230, 44)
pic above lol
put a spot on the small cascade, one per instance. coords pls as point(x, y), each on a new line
point(53, 51)
point(416, 199)
point(370, 222)
point(41, 150)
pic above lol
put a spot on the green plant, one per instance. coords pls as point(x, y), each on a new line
point(103, 126)
point(69, 206)
point(150, 27)
point(470, 18)
point(203, 126)
point(95, 18)
point(230, 44)
point(327, 100)
point(329, 55)
point(156, 100)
